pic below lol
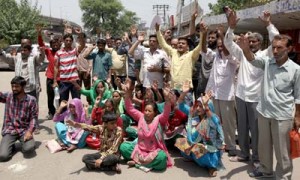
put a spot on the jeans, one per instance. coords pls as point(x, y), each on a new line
point(8, 142)
point(65, 88)
point(50, 96)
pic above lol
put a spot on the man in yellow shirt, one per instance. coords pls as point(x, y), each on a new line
point(182, 60)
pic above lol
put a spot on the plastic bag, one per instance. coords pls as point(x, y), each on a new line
point(53, 146)
point(294, 143)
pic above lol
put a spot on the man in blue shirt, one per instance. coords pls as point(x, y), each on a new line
point(102, 62)
point(279, 100)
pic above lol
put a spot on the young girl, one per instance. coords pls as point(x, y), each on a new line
point(150, 150)
point(111, 137)
point(70, 137)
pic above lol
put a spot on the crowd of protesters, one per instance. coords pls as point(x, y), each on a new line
point(145, 95)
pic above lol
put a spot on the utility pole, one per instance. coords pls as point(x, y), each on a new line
point(161, 10)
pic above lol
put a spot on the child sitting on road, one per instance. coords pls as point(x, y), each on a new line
point(111, 137)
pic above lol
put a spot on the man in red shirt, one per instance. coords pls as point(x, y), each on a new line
point(50, 53)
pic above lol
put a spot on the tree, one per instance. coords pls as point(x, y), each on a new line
point(18, 20)
point(108, 15)
point(234, 4)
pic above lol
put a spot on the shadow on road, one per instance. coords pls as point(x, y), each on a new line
point(49, 130)
point(190, 167)
point(232, 172)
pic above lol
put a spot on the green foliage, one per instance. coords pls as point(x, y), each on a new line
point(108, 15)
point(234, 4)
point(18, 20)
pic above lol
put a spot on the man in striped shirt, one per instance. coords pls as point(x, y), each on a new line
point(66, 65)
point(20, 119)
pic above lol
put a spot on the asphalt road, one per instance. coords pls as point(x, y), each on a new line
point(62, 165)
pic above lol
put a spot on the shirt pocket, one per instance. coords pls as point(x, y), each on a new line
point(222, 69)
point(283, 84)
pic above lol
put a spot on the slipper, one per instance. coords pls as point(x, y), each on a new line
point(238, 159)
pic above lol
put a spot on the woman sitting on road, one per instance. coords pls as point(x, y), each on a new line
point(71, 138)
point(150, 152)
point(205, 139)
point(99, 88)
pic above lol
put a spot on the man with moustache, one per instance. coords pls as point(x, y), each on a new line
point(248, 89)
point(280, 91)
point(20, 119)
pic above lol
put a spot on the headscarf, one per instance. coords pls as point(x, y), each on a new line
point(121, 103)
point(106, 94)
point(80, 113)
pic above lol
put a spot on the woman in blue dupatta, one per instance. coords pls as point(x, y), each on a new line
point(205, 139)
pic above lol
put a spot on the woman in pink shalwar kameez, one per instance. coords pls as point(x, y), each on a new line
point(150, 150)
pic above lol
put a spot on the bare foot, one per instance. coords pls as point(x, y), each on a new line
point(118, 168)
point(71, 148)
point(62, 145)
point(131, 163)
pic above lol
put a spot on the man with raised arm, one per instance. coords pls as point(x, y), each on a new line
point(182, 59)
point(280, 96)
point(248, 90)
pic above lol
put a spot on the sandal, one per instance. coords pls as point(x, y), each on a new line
point(212, 172)
point(238, 159)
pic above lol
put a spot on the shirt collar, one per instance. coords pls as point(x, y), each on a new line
point(155, 52)
point(25, 98)
point(285, 65)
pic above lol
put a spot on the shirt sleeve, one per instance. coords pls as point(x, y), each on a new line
point(8, 59)
point(231, 46)
point(259, 61)
point(109, 59)
point(272, 31)
point(3, 97)
point(168, 49)
point(91, 56)
point(91, 128)
point(196, 51)
point(33, 116)
point(297, 86)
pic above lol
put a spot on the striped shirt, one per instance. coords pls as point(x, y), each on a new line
point(67, 62)
point(19, 115)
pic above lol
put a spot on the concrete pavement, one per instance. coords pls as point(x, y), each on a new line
point(63, 165)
